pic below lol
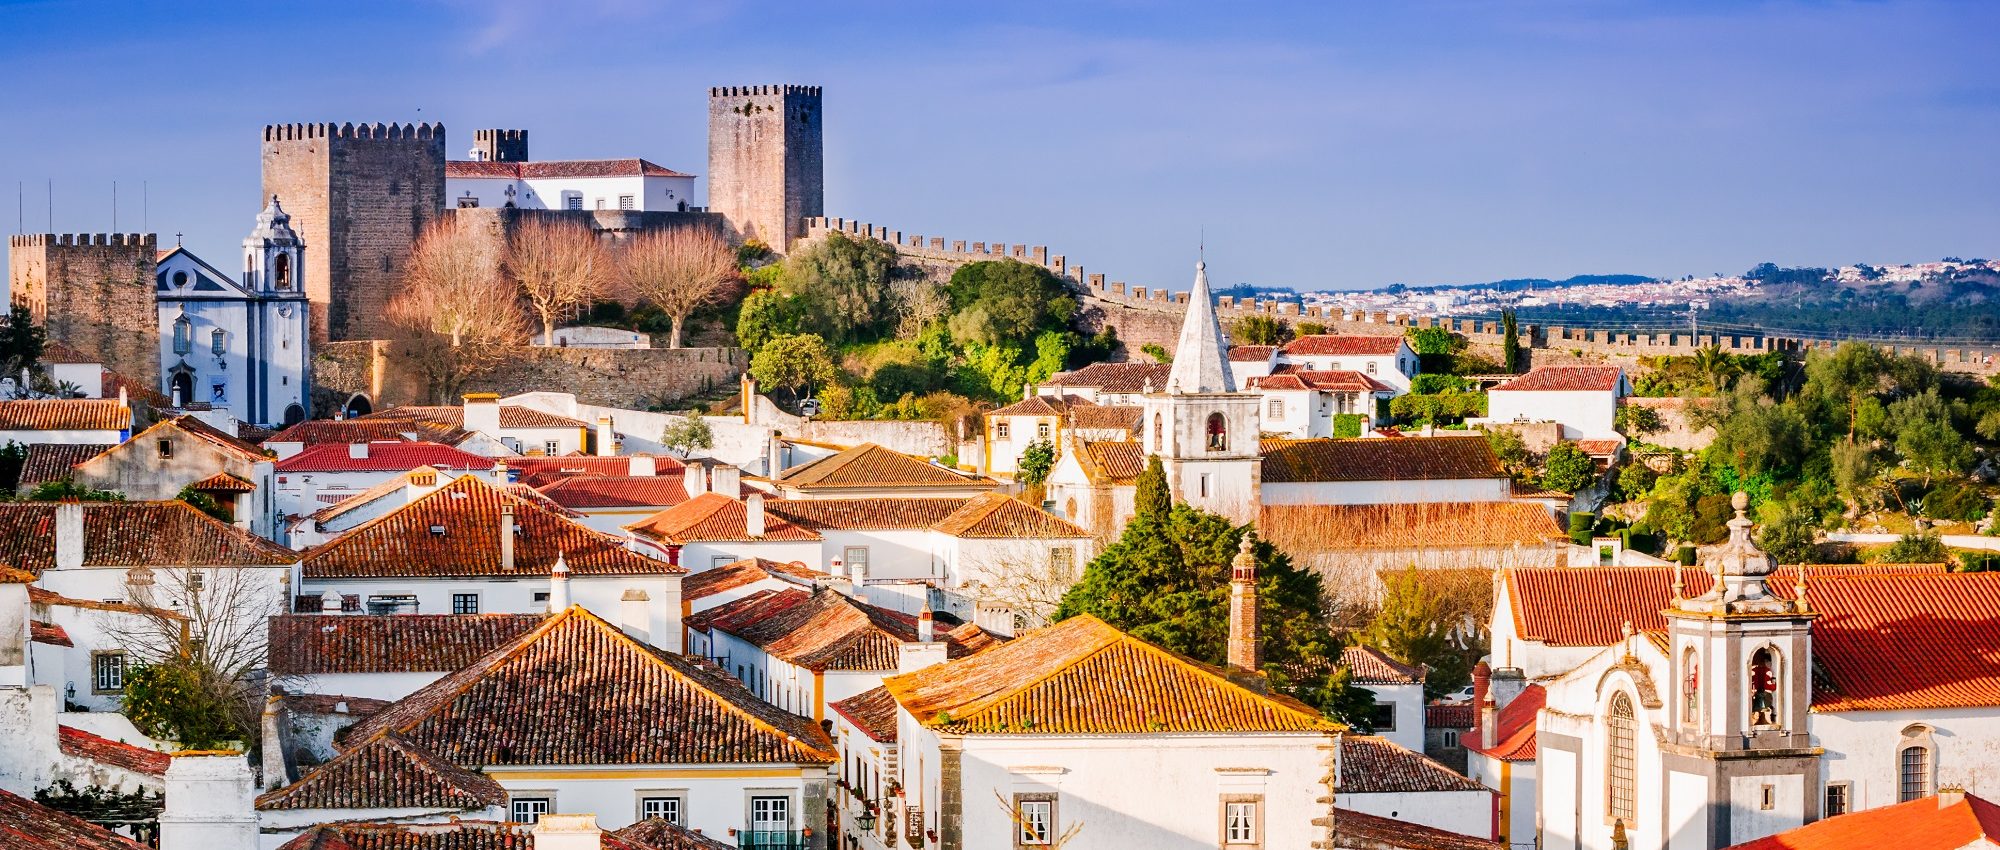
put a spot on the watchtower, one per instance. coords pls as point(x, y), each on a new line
point(360, 194)
point(766, 166)
point(499, 146)
point(93, 292)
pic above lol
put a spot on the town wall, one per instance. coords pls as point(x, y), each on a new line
point(766, 165)
point(1142, 315)
point(612, 226)
point(631, 378)
point(359, 195)
point(93, 292)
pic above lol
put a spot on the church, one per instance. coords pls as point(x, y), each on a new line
point(238, 343)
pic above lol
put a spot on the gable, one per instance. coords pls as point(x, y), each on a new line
point(181, 274)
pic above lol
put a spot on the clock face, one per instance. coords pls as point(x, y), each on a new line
point(285, 312)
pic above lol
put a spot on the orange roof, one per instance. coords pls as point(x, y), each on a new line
point(97, 748)
point(511, 416)
point(745, 572)
point(1600, 448)
point(64, 414)
point(455, 531)
point(713, 516)
point(582, 492)
point(1371, 667)
point(52, 461)
point(1250, 353)
point(872, 711)
point(134, 534)
point(1041, 405)
point(1513, 727)
point(994, 515)
point(829, 630)
point(1921, 824)
point(384, 772)
point(1565, 379)
point(1374, 765)
point(872, 466)
point(28, 825)
point(317, 644)
point(1328, 380)
point(1411, 526)
point(313, 432)
point(1343, 345)
point(1114, 377)
point(460, 834)
point(1112, 463)
point(1057, 681)
point(223, 482)
point(1106, 417)
point(48, 633)
point(1360, 829)
point(1363, 459)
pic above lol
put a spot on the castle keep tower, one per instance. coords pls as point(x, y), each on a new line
point(94, 293)
point(499, 146)
point(766, 171)
point(360, 195)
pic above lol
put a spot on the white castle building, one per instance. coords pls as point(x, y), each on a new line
point(239, 342)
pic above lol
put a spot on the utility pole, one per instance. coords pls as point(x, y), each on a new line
point(1694, 325)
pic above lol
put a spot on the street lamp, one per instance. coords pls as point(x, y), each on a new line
point(865, 820)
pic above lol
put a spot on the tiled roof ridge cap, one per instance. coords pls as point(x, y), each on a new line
point(475, 482)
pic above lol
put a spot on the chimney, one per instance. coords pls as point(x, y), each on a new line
point(725, 479)
point(1482, 688)
point(208, 804)
point(926, 650)
point(507, 538)
point(753, 515)
point(633, 615)
point(566, 832)
point(1508, 683)
point(1950, 795)
point(499, 473)
point(695, 479)
point(69, 534)
point(669, 629)
point(858, 573)
point(643, 467)
point(606, 443)
point(773, 460)
point(358, 451)
point(273, 771)
point(559, 585)
point(14, 629)
point(1244, 653)
point(329, 602)
point(482, 413)
point(926, 624)
point(123, 402)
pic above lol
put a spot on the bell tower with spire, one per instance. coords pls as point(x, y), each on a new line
point(1203, 429)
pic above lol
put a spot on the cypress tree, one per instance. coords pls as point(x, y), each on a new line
point(1510, 346)
point(1152, 498)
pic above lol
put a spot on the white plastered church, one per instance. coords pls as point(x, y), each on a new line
point(239, 342)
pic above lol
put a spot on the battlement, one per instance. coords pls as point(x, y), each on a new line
point(746, 91)
point(500, 135)
point(378, 131)
point(83, 240)
point(500, 145)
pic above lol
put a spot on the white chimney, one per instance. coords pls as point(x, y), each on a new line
point(926, 650)
point(859, 574)
point(725, 479)
point(926, 624)
point(122, 401)
point(566, 832)
point(695, 479)
point(357, 450)
point(753, 515)
point(672, 632)
point(606, 443)
point(633, 615)
point(329, 602)
point(837, 568)
point(642, 466)
point(506, 538)
point(208, 804)
point(69, 535)
point(499, 473)
point(559, 585)
point(482, 413)
point(14, 630)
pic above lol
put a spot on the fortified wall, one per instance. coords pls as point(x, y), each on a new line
point(93, 292)
point(629, 378)
point(1142, 315)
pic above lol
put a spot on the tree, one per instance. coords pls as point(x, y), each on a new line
point(203, 502)
point(1511, 451)
point(842, 285)
point(559, 267)
point(457, 313)
point(1158, 352)
point(1027, 580)
point(1567, 469)
point(1150, 495)
point(764, 316)
point(1853, 466)
point(1006, 300)
point(1510, 342)
point(1638, 420)
point(1310, 328)
point(793, 362)
point(1036, 461)
point(1925, 438)
point(688, 433)
point(1435, 348)
point(1787, 531)
point(197, 637)
point(21, 340)
point(1415, 627)
point(1919, 547)
point(1257, 329)
point(679, 270)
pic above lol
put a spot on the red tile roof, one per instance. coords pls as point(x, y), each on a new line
point(1371, 667)
point(1600, 448)
point(132, 534)
point(713, 516)
point(579, 691)
point(1374, 765)
point(511, 416)
point(558, 168)
point(1114, 377)
point(454, 835)
point(1112, 462)
point(28, 825)
point(56, 353)
point(64, 414)
point(539, 471)
point(455, 531)
point(746, 572)
point(53, 461)
point(384, 772)
point(223, 482)
point(315, 644)
point(1052, 681)
point(48, 633)
point(385, 456)
point(1041, 405)
point(1921, 824)
point(1106, 417)
point(1362, 459)
point(1343, 345)
point(425, 477)
point(1565, 379)
point(1308, 528)
point(1360, 829)
point(872, 466)
point(662, 834)
point(1250, 353)
point(1451, 715)
point(76, 742)
point(998, 516)
point(873, 711)
point(1513, 727)
point(829, 630)
point(313, 432)
point(1325, 380)
point(583, 492)
point(986, 516)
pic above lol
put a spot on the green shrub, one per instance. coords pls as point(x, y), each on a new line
point(1347, 424)
point(1310, 328)
point(1956, 500)
point(1923, 547)
point(1580, 525)
point(1686, 555)
point(1568, 469)
point(1158, 352)
point(1431, 384)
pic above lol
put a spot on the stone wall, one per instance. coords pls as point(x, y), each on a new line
point(94, 293)
point(766, 169)
point(611, 226)
point(629, 378)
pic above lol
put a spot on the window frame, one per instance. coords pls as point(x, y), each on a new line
point(1621, 728)
point(515, 800)
point(847, 556)
point(552, 448)
point(218, 341)
point(628, 202)
point(1223, 826)
point(572, 199)
point(458, 597)
point(1927, 780)
point(1044, 801)
point(1277, 406)
point(752, 796)
point(1845, 791)
point(677, 797)
point(98, 659)
point(1002, 431)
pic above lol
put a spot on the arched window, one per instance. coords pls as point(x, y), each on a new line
point(1764, 709)
point(1158, 444)
point(218, 341)
point(183, 335)
point(1218, 433)
point(1690, 688)
point(1620, 773)
point(1915, 764)
point(281, 271)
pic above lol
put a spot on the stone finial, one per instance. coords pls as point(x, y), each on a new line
point(1244, 566)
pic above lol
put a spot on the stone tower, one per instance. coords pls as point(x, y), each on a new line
point(360, 195)
point(93, 292)
point(499, 146)
point(766, 170)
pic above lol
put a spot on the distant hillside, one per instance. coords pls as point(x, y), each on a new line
point(1524, 283)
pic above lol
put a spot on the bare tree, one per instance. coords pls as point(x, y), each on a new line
point(1043, 833)
point(209, 627)
point(559, 267)
point(919, 302)
point(678, 270)
point(1026, 580)
point(458, 312)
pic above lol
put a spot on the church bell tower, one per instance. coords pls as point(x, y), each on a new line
point(1203, 429)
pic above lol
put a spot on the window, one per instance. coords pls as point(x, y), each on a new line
point(600, 203)
point(1062, 561)
point(468, 202)
point(183, 335)
point(1914, 765)
point(541, 597)
point(1204, 485)
point(529, 809)
point(1156, 432)
point(551, 448)
point(1618, 769)
point(1042, 430)
point(350, 602)
point(664, 808)
point(107, 671)
point(855, 556)
point(1371, 367)
point(1837, 799)
point(1277, 408)
point(1690, 688)
point(1036, 814)
point(1002, 431)
point(465, 603)
point(1218, 433)
point(1768, 799)
point(1764, 688)
point(572, 200)
point(625, 202)
point(196, 581)
point(166, 448)
point(400, 603)
point(1384, 719)
point(218, 341)
point(1241, 823)
point(769, 815)
point(1451, 739)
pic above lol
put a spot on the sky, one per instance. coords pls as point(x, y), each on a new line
point(1315, 145)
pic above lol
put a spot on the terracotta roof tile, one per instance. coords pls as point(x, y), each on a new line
point(828, 630)
point(1343, 345)
point(873, 711)
point(1362, 459)
point(1307, 528)
point(132, 534)
point(455, 531)
point(1360, 829)
point(315, 644)
point(313, 432)
point(1513, 727)
point(579, 691)
point(1920, 824)
point(384, 456)
point(1326, 380)
point(988, 516)
point(64, 414)
point(54, 461)
point(1107, 417)
point(1082, 676)
point(872, 466)
point(1039, 405)
point(760, 605)
point(56, 353)
point(1451, 715)
point(1565, 379)
point(139, 392)
point(748, 571)
point(511, 416)
point(454, 835)
point(1113, 462)
point(559, 168)
point(384, 772)
point(424, 477)
point(1600, 448)
point(1114, 377)
point(662, 834)
point(1251, 353)
point(582, 492)
point(995, 515)
point(357, 707)
point(1374, 765)
point(1371, 667)
point(540, 471)
point(28, 825)
point(48, 633)
point(223, 482)
point(76, 742)
point(713, 516)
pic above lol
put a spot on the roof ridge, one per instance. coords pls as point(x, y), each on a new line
point(1103, 642)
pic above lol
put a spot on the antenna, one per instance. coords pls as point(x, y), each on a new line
point(114, 206)
point(145, 207)
point(52, 205)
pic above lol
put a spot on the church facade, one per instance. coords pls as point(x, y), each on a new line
point(239, 342)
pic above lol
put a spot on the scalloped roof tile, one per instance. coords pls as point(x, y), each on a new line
point(1374, 765)
point(384, 772)
point(1343, 345)
point(28, 825)
point(133, 534)
point(64, 414)
point(871, 466)
point(1365, 459)
point(1425, 525)
point(97, 748)
point(318, 644)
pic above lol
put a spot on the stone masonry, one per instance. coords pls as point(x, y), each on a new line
point(766, 168)
point(360, 195)
point(93, 292)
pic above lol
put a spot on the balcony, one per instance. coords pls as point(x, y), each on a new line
point(760, 839)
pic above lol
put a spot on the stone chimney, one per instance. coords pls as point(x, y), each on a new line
point(507, 538)
point(634, 614)
point(773, 456)
point(499, 473)
point(1482, 689)
point(69, 542)
point(565, 832)
point(753, 515)
point(559, 585)
point(329, 602)
point(1508, 683)
point(725, 479)
point(208, 803)
point(482, 413)
point(274, 772)
point(1244, 653)
point(606, 442)
point(357, 451)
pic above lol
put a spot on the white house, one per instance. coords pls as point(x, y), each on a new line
point(74, 421)
point(1108, 383)
point(1500, 754)
point(1582, 399)
point(66, 365)
point(330, 473)
point(239, 342)
point(1399, 694)
point(577, 184)
point(1382, 778)
point(517, 430)
point(1302, 403)
point(1387, 359)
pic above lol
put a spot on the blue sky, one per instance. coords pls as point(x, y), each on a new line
point(1317, 145)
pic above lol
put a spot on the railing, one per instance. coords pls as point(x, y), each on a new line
point(761, 839)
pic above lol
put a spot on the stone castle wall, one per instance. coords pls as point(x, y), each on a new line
point(1142, 315)
point(611, 377)
point(610, 225)
point(766, 164)
point(93, 292)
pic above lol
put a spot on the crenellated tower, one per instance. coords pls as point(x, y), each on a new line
point(766, 168)
point(499, 146)
point(93, 292)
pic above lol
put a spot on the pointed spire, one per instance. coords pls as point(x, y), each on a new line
point(1201, 364)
